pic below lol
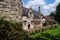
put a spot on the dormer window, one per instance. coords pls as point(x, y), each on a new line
point(30, 14)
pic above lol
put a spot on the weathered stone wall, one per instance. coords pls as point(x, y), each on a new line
point(12, 9)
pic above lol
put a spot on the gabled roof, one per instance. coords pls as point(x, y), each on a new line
point(25, 12)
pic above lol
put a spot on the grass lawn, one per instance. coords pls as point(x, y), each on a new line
point(53, 32)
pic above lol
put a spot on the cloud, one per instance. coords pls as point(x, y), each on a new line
point(34, 3)
point(45, 9)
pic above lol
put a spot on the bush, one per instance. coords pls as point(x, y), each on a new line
point(11, 30)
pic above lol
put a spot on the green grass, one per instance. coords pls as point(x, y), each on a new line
point(53, 32)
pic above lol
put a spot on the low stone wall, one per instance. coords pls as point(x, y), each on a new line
point(44, 28)
point(47, 26)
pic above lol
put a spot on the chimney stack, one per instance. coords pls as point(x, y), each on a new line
point(39, 12)
point(38, 8)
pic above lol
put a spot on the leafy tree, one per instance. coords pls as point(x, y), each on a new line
point(52, 14)
point(57, 16)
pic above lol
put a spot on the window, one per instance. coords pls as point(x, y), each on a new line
point(25, 22)
point(16, 16)
point(30, 15)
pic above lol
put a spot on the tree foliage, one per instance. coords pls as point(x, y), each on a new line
point(11, 30)
point(57, 16)
point(52, 14)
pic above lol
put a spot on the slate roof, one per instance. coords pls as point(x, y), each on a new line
point(49, 18)
point(25, 12)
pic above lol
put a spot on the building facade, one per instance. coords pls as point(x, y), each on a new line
point(13, 9)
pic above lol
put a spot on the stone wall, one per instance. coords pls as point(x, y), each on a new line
point(12, 9)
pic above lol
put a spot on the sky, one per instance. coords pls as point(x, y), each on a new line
point(46, 6)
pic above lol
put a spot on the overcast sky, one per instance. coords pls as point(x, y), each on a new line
point(47, 6)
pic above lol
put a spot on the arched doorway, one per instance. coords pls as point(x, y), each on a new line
point(28, 26)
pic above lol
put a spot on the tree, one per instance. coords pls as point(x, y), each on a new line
point(52, 14)
point(57, 16)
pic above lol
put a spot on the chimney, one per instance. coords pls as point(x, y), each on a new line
point(38, 8)
point(31, 7)
point(39, 12)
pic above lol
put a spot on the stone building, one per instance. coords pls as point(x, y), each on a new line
point(32, 19)
point(13, 9)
